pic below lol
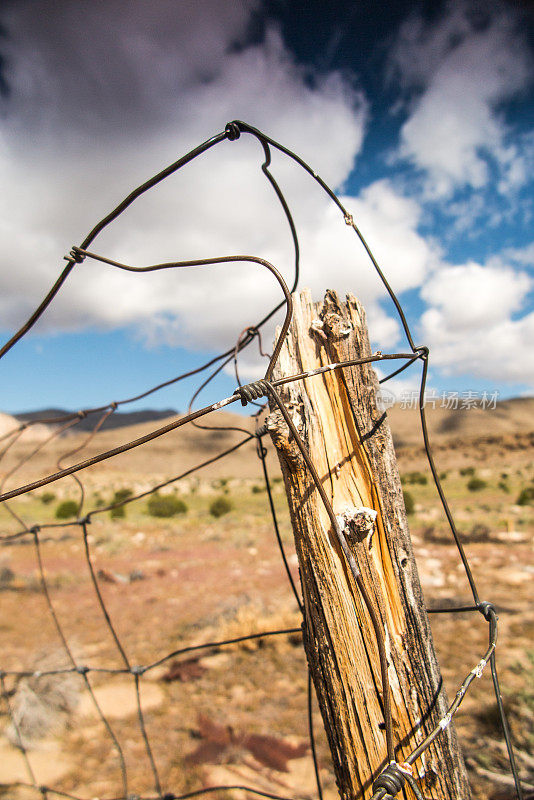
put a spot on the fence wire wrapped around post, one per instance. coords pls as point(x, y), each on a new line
point(395, 776)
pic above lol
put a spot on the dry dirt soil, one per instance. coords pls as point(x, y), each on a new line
point(236, 715)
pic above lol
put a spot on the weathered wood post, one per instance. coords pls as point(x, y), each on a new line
point(350, 443)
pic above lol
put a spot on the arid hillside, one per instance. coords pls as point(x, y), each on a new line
point(458, 436)
point(212, 570)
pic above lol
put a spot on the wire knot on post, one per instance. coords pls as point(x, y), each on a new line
point(261, 431)
point(251, 391)
point(389, 783)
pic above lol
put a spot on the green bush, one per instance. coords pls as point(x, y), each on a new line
point(117, 513)
point(257, 489)
point(66, 509)
point(47, 498)
point(526, 496)
point(467, 471)
point(416, 478)
point(476, 484)
point(165, 505)
point(443, 476)
point(479, 533)
point(221, 505)
point(409, 502)
point(121, 495)
point(503, 486)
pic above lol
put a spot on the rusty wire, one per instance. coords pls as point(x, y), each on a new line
point(394, 775)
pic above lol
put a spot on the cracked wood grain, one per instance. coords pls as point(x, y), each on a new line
point(350, 443)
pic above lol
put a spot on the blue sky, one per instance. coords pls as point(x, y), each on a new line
point(421, 115)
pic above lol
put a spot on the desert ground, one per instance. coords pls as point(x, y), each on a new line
point(237, 714)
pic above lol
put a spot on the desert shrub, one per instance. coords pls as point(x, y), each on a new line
point(443, 476)
point(409, 502)
point(117, 513)
point(479, 533)
point(503, 486)
point(467, 471)
point(476, 484)
point(47, 498)
point(165, 505)
point(66, 509)
point(436, 535)
point(416, 478)
point(221, 505)
point(257, 489)
point(526, 496)
point(121, 495)
point(6, 576)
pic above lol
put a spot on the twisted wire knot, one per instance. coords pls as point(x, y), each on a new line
point(487, 609)
point(251, 391)
point(262, 430)
point(75, 256)
point(232, 131)
point(422, 350)
point(392, 780)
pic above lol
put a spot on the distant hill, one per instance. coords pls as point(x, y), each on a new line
point(119, 419)
point(459, 438)
point(514, 417)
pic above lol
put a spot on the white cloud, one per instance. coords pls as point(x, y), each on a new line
point(463, 67)
point(63, 168)
point(521, 255)
point(80, 131)
point(472, 325)
point(84, 124)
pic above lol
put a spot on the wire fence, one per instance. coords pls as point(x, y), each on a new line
point(393, 778)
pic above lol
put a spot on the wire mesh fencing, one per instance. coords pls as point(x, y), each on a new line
point(90, 641)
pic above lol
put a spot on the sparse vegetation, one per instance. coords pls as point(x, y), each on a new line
point(47, 498)
point(415, 478)
point(526, 496)
point(476, 484)
point(479, 533)
point(256, 489)
point(503, 486)
point(467, 471)
point(165, 505)
point(220, 506)
point(409, 502)
point(67, 509)
point(119, 497)
point(117, 513)
point(6, 576)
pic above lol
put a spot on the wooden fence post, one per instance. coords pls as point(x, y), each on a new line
point(349, 442)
